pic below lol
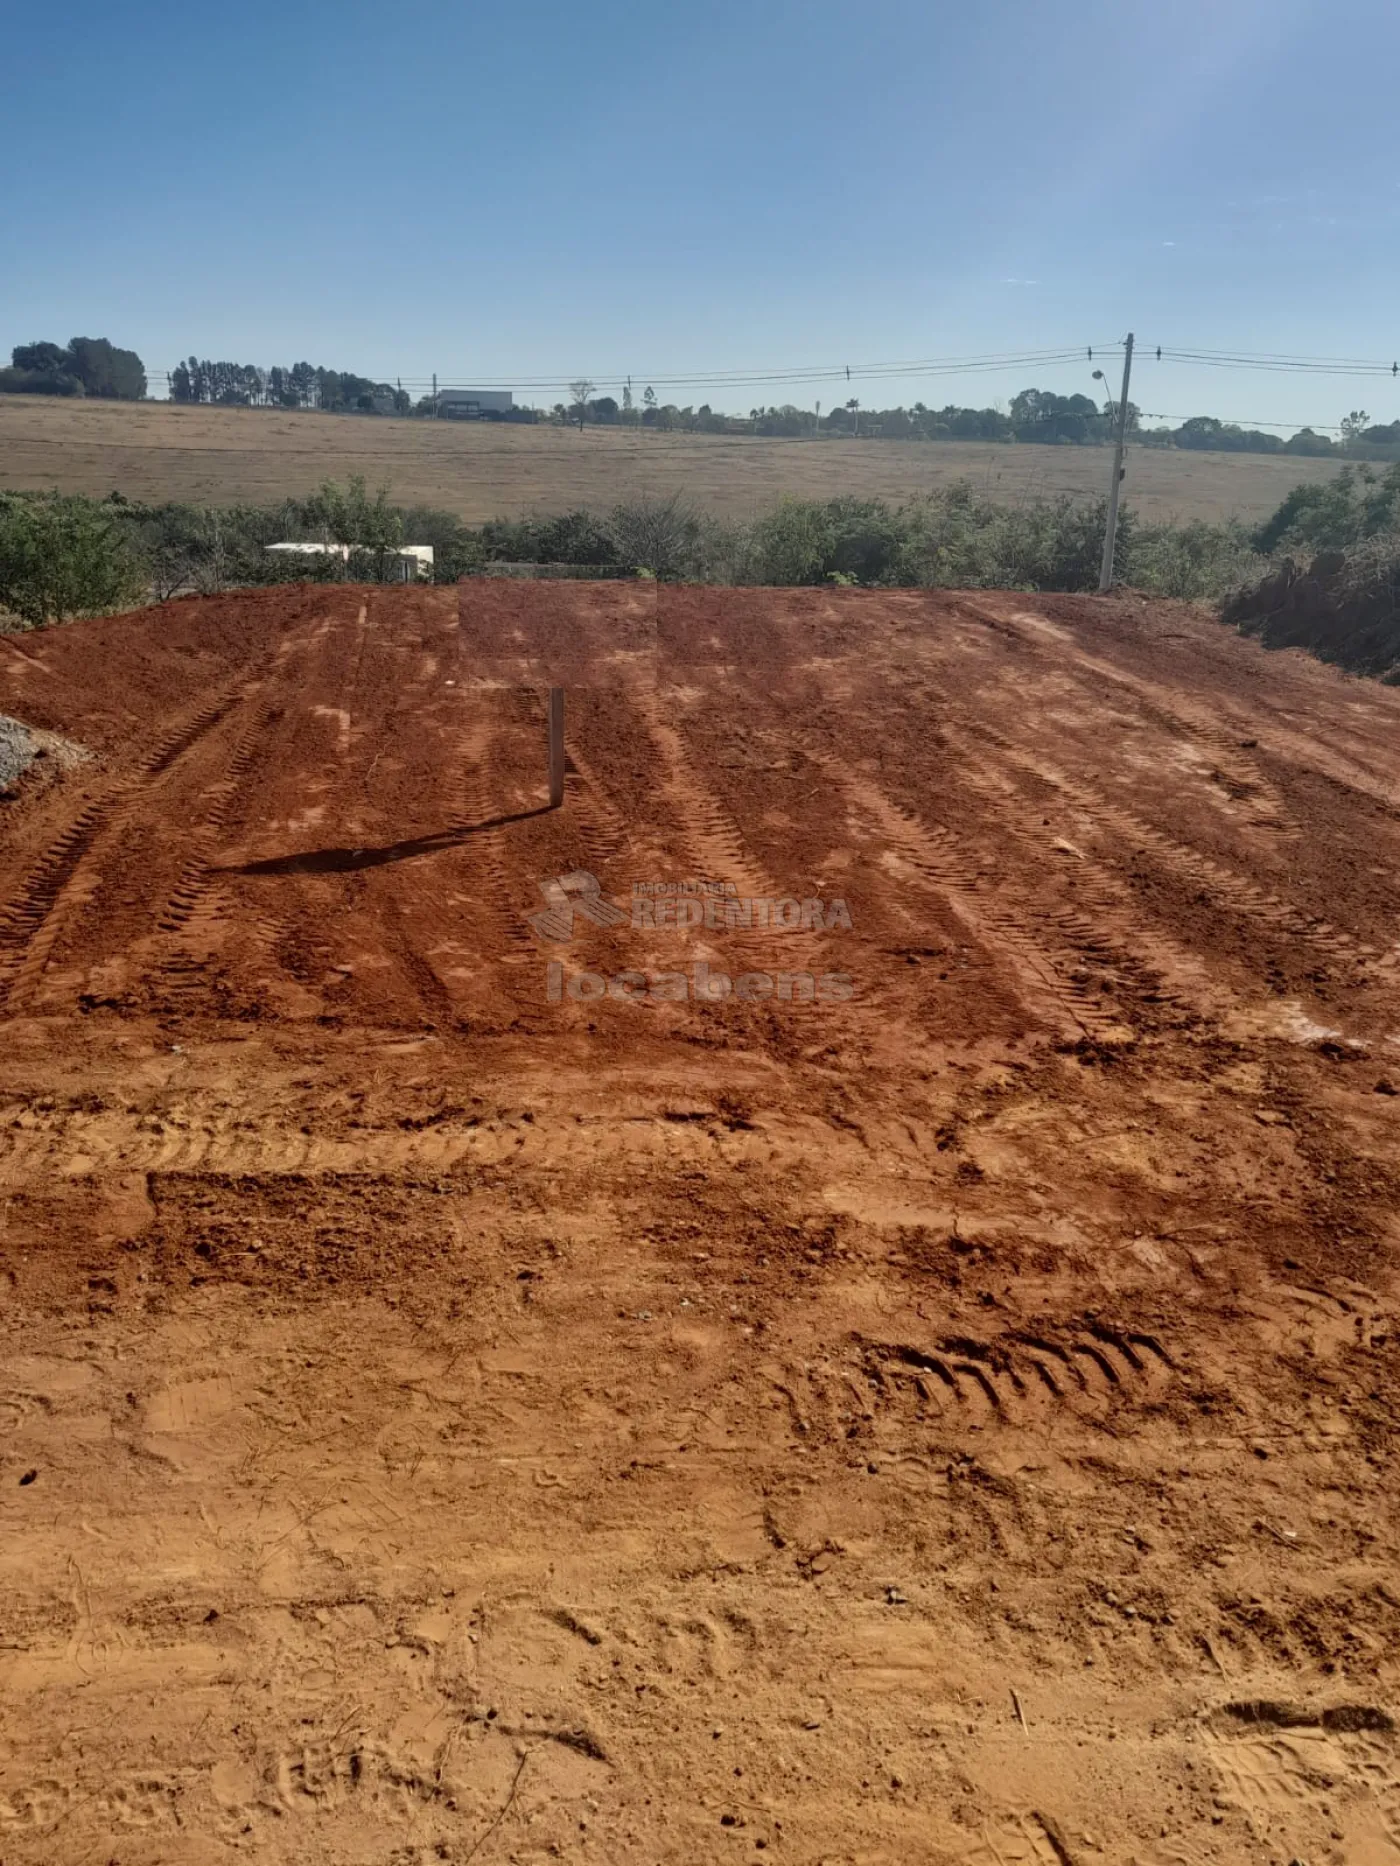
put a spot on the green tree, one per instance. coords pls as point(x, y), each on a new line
point(1358, 504)
point(63, 556)
point(1041, 415)
point(580, 391)
point(348, 515)
point(1308, 443)
point(792, 544)
point(41, 369)
point(43, 357)
point(663, 536)
point(106, 371)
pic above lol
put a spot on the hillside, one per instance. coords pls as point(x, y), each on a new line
point(945, 1416)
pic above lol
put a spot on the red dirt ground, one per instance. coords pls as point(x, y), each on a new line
point(952, 1423)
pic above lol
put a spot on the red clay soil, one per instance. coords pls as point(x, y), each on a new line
point(932, 1402)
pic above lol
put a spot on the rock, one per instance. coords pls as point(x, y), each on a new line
point(21, 745)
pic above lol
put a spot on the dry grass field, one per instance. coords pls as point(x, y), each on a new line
point(480, 471)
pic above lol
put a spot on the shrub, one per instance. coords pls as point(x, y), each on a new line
point(1196, 562)
point(572, 538)
point(1359, 503)
point(208, 548)
point(791, 544)
point(663, 536)
point(64, 556)
point(456, 548)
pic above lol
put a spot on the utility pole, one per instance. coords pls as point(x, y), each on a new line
point(1111, 530)
point(435, 400)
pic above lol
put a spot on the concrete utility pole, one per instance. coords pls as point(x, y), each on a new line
point(1111, 531)
point(435, 400)
point(556, 747)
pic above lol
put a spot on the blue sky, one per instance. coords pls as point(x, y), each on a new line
point(534, 188)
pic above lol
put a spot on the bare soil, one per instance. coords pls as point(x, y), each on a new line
point(481, 470)
point(954, 1424)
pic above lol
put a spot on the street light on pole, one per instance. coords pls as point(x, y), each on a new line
point(1119, 439)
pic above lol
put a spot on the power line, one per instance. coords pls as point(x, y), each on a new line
point(1278, 364)
point(709, 381)
point(734, 379)
point(1239, 421)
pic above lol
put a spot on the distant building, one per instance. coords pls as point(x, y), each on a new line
point(411, 563)
point(472, 404)
point(312, 549)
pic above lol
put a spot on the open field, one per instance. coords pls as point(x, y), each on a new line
point(221, 456)
point(953, 1423)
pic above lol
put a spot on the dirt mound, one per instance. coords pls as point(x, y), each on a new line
point(834, 1297)
point(1345, 608)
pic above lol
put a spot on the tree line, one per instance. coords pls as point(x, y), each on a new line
point(303, 385)
point(82, 366)
point(1034, 416)
point(94, 366)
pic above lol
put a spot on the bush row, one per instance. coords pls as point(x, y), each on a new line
point(62, 555)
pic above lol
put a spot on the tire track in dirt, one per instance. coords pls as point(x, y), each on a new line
point(439, 1010)
point(600, 827)
point(1248, 899)
point(189, 903)
point(482, 752)
point(396, 691)
point(1024, 1377)
point(1062, 653)
point(1150, 966)
point(200, 908)
point(273, 936)
point(715, 848)
point(888, 917)
point(1261, 727)
point(710, 837)
point(68, 874)
point(933, 858)
point(1146, 968)
point(259, 1136)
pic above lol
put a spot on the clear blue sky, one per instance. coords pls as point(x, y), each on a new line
point(537, 188)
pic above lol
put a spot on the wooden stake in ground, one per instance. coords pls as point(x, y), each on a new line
point(556, 747)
